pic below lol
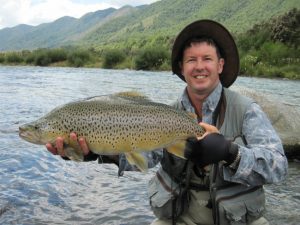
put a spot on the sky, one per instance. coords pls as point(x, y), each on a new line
point(35, 12)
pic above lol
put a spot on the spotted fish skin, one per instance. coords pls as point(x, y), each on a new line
point(121, 123)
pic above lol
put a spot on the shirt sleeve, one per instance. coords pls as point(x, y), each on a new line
point(262, 160)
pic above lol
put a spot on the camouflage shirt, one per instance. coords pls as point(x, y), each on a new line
point(262, 160)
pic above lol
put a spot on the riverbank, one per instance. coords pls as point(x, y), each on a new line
point(290, 71)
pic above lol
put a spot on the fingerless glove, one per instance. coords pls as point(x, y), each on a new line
point(213, 148)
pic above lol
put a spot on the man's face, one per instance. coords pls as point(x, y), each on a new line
point(201, 68)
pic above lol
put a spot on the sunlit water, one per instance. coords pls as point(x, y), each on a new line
point(39, 188)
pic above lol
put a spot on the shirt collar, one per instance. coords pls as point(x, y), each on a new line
point(210, 102)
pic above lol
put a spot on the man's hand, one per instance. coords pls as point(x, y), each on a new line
point(209, 129)
point(211, 148)
point(58, 149)
point(59, 145)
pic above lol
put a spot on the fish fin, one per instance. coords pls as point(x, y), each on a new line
point(177, 148)
point(138, 160)
point(97, 98)
point(192, 115)
point(73, 154)
point(133, 95)
point(72, 150)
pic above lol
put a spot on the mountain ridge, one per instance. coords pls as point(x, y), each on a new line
point(165, 17)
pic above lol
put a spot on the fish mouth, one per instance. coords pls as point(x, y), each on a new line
point(29, 136)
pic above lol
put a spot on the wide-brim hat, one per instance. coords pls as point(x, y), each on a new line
point(223, 39)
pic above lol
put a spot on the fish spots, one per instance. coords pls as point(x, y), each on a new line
point(121, 124)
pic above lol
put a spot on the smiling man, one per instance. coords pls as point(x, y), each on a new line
point(201, 66)
point(221, 180)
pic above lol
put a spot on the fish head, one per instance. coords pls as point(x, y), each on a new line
point(41, 131)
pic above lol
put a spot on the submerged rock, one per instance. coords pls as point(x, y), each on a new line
point(284, 117)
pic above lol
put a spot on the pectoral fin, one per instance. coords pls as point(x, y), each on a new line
point(73, 150)
point(177, 148)
point(138, 160)
point(74, 154)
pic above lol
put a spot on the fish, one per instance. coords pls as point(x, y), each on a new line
point(121, 123)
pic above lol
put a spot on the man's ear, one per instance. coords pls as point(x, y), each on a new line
point(180, 66)
point(221, 65)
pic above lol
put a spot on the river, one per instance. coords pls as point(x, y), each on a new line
point(39, 188)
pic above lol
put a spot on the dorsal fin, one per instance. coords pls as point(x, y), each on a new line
point(132, 95)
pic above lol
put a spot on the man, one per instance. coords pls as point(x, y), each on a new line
point(221, 182)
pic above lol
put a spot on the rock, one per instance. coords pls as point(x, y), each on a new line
point(284, 117)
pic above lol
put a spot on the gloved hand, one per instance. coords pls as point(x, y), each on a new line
point(213, 148)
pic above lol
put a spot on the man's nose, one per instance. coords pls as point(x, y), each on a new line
point(199, 64)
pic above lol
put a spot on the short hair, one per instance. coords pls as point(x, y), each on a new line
point(207, 40)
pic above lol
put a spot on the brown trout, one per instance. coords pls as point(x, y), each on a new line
point(125, 122)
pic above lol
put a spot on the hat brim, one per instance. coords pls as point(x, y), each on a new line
point(224, 41)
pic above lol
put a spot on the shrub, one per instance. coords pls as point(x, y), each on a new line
point(78, 58)
point(57, 55)
point(2, 58)
point(151, 58)
point(273, 52)
point(286, 28)
point(112, 58)
point(41, 58)
point(14, 57)
point(30, 58)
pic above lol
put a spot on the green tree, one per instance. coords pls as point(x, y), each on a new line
point(41, 58)
point(113, 57)
point(151, 58)
point(286, 28)
point(78, 58)
point(13, 57)
point(2, 58)
point(57, 55)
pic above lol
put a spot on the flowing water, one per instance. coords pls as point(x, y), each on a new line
point(39, 188)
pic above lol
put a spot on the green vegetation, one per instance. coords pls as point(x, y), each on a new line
point(112, 58)
point(271, 49)
point(152, 59)
point(168, 17)
point(268, 49)
point(79, 57)
point(47, 57)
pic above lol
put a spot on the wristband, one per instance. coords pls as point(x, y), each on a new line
point(236, 161)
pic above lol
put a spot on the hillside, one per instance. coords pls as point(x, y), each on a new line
point(167, 17)
point(130, 25)
point(63, 31)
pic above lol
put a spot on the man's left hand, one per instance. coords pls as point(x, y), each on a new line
point(211, 148)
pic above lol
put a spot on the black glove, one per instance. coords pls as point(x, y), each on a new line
point(213, 148)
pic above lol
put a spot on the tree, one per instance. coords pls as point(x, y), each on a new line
point(286, 28)
point(151, 58)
